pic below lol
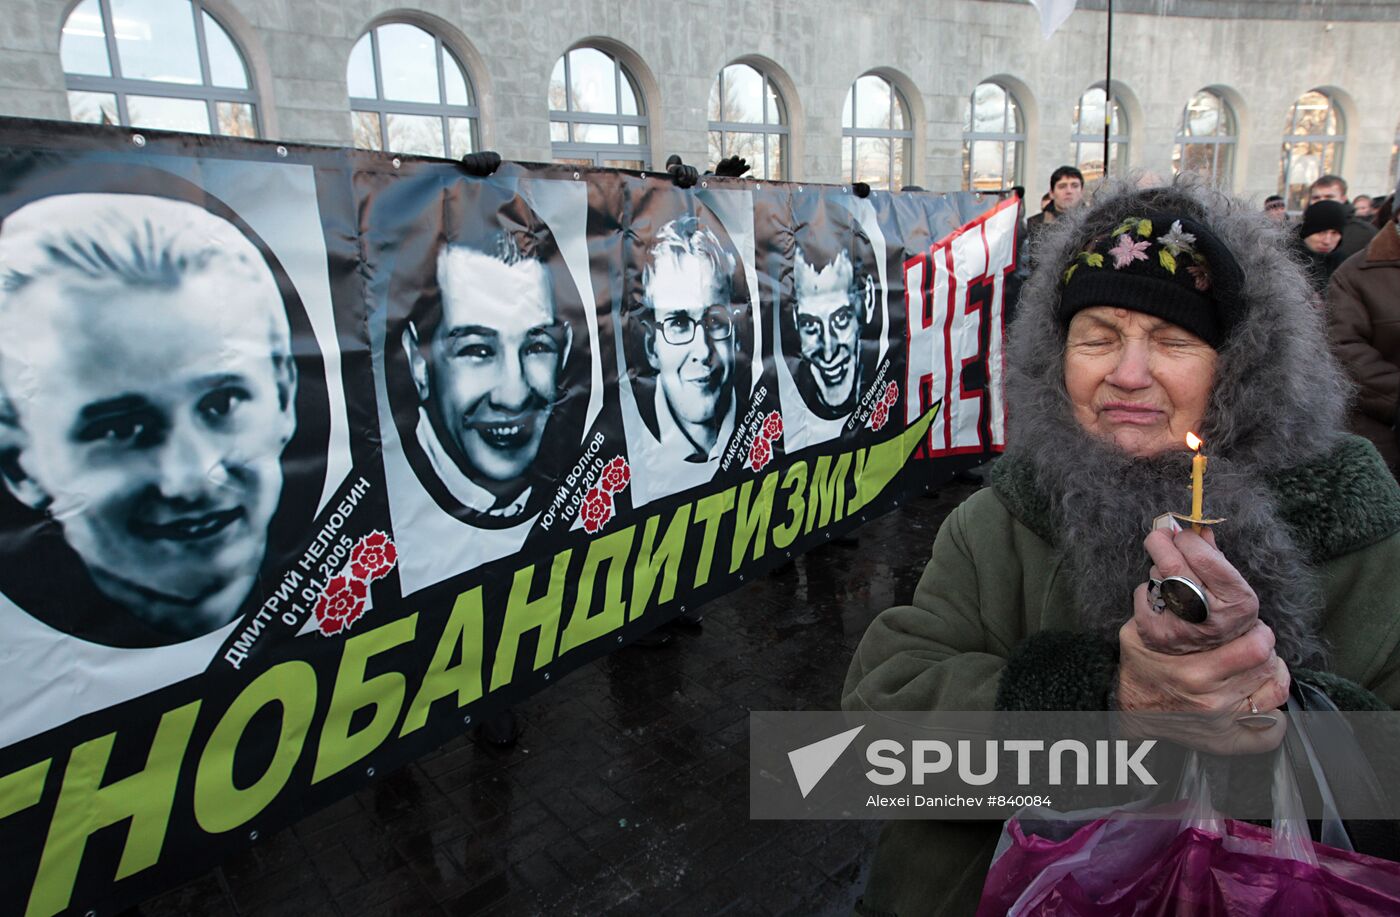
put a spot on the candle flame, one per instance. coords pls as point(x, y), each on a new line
point(1194, 442)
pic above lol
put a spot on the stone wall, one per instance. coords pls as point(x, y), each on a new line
point(936, 52)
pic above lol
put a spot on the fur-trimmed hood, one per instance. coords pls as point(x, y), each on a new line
point(1277, 403)
point(1279, 397)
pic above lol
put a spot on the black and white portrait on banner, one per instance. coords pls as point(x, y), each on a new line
point(488, 371)
point(832, 321)
point(690, 354)
point(165, 425)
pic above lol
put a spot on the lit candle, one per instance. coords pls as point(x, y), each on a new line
point(1198, 480)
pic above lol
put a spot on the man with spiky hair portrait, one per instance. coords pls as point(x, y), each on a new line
point(831, 307)
point(147, 391)
point(829, 327)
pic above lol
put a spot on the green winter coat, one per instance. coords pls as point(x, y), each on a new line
point(992, 626)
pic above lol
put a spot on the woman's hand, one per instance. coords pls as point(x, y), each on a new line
point(1234, 608)
point(1198, 699)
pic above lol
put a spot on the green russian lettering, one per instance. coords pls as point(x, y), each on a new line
point(795, 480)
point(524, 614)
point(338, 749)
point(751, 520)
point(221, 806)
point(710, 510)
point(462, 633)
point(826, 499)
point(664, 559)
point(85, 806)
point(613, 550)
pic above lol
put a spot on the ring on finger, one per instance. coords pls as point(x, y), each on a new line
point(1254, 719)
point(1181, 596)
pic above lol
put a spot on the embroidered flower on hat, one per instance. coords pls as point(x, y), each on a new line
point(1127, 251)
point(1178, 241)
point(1140, 225)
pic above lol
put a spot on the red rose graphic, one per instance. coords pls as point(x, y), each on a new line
point(340, 605)
point(880, 416)
point(773, 425)
point(596, 510)
point(615, 475)
point(760, 453)
point(373, 557)
point(891, 394)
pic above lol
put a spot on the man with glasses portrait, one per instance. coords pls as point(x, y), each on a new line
point(687, 322)
point(689, 341)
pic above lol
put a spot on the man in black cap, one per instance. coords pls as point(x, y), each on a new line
point(1358, 232)
point(1319, 240)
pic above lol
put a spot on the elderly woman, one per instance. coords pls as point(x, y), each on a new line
point(1156, 313)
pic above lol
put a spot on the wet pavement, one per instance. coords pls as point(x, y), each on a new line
point(628, 790)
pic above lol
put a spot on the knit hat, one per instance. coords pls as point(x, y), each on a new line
point(1322, 216)
point(1163, 265)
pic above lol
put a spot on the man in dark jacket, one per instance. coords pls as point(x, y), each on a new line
point(1320, 233)
point(1363, 322)
point(1066, 194)
point(1358, 232)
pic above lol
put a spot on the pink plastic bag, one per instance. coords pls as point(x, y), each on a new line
point(1148, 866)
point(1186, 859)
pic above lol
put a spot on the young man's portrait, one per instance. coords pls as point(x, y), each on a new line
point(486, 370)
point(687, 318)
point(686, 341)
point(830, 308)
point(830, 322)
point(147, 392)
point(486, 357)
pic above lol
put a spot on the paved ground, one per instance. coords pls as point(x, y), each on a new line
point(628, 791)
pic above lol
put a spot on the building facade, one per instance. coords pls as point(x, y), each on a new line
point(944, 94)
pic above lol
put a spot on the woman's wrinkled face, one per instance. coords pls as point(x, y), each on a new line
point(1135, 380)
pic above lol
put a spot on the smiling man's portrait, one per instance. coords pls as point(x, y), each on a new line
point(830, 313)
point(688, 319)
point(486, 357)
point(687, 340)
point(147, 391)
point(830, 309)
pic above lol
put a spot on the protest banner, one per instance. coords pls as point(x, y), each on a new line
point(314, 457)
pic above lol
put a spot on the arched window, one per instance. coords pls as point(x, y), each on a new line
point(1395, 158)
point(163, 64)
point(877, 134)
point(410, 94)
point(748, 119)
point(596, 115)
point(994, 138)
point(1312, 145)
point(1205, 138)
point(1088, 135)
